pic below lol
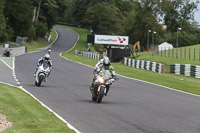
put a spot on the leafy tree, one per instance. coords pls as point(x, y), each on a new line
point(3, 34)
point(65, 10)
point(140, 20)
point(80, 9)
point(19, 16)
point(49, 13)
point(174, 11)
point(103, 19)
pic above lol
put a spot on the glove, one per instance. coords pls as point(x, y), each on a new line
point(97, 70)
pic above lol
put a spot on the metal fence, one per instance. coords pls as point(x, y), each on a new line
point(21, 41)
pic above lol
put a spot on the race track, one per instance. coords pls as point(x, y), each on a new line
point(130, 107)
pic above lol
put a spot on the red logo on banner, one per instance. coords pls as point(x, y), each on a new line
point(121, 40)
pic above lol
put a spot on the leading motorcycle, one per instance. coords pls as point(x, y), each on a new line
point(101, 83)
point(42, 73)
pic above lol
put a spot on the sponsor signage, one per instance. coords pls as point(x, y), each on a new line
point(108, 39)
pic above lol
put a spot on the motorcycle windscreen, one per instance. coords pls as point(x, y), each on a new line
point(106, 74)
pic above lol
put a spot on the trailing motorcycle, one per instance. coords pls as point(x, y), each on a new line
point(42, 73)
point(101, 83)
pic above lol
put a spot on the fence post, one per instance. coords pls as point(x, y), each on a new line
point(173, 53)
point(181, 53)
point(189, 53)
point(165, 51)
point(161, 51)
point(199, 54)
point(194, 54)
point(185, 54)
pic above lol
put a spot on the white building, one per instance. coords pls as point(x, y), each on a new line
point(165, 46)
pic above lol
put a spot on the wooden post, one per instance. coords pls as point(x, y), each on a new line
point(173, 53)
point(169, 53)
point(194, 54)
point(199, 54)
point(181, 53)
point(185, 54)
point(189, 53)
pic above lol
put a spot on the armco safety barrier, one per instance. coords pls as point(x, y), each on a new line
point(185, 69)
point(142, 64)
point(92, 55)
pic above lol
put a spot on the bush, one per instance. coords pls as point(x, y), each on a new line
point(41, 29)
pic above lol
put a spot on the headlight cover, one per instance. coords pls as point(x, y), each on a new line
point(100, 79)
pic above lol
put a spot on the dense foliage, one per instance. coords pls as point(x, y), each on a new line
point(22, 18)
point(135, 17)
point(34, 18)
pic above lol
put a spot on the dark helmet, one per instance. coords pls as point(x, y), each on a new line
point(106, 61)
point(47, 57)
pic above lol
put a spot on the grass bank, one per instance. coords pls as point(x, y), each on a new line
point(27, 115)
point(41, 42)
point(168, 59)
point(35, 45)
point(179, 82)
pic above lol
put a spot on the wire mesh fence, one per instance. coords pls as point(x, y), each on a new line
point(21, 41)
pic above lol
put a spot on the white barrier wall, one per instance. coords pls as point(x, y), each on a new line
point(15, 51)
point(141, 64)
point(92, 55)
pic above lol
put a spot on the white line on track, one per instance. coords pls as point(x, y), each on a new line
point(58, 116)
point(8, 84)
point(21, 87)
point(6, 64)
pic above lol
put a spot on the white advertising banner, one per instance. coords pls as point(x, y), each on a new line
point(108, 39)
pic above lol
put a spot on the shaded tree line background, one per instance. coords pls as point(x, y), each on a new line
point(114, 17)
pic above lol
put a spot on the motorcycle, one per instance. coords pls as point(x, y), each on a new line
point(101, 83)
point(49, 50)
point(42, 73)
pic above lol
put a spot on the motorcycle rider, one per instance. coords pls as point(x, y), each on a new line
point(41, 60)
point(49, 50)
point(104, 64)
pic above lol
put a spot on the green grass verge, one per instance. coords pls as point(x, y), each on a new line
point(36, 44)
point(179, 82)
point(8, 61)
point(27, 115)
point(167, 60)
point(40, 43)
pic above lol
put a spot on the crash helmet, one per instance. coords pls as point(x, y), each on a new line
point(106, 61)
point(47, 56)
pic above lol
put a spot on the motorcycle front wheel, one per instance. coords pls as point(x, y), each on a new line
point(41, 78)
point(100, 94)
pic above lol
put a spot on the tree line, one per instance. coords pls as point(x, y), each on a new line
point(133, 18)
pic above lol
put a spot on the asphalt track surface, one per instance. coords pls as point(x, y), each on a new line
point(130, 107)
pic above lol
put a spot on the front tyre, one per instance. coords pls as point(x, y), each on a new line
point(41, 78)
point(100, 94)
point(94, 98)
